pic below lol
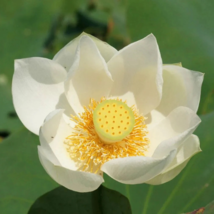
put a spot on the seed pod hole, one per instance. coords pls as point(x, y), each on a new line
point(113, 120)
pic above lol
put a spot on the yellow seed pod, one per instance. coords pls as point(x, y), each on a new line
point(113, 120)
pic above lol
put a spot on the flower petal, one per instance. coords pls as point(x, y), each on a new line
point(66, 56)
point(88, 77)
point(37, 87)
point(73, 180)
point(52, 138)
point(168, 176)
point(182, 87)
point(135, 170)
point(190, 147)
point(171, 132)
point(137, 74)
point(153, 118)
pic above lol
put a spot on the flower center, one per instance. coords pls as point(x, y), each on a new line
point(113, 120)
point(106, 130)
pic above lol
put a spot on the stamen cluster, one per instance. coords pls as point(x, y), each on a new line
point(88, 150)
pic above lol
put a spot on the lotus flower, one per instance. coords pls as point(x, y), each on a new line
point(98, 110)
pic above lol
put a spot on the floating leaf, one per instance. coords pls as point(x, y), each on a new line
point(22, 177)
point(209, 209)
point(100, 201)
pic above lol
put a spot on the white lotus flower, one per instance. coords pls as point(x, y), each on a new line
point(133, 118)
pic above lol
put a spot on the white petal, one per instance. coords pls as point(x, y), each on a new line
point(137, 74)
point(153, 118)
point(182, 87)
point(168, 176)
point(88, 77)
point(135, 170)
point(190, 147)
point(52, 138)
point(73, 180)
point(66, 56)
point(37, 87)
point(171, 132)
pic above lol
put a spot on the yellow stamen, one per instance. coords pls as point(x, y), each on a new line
point(91, 149)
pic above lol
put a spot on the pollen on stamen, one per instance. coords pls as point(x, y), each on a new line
point(90, 152)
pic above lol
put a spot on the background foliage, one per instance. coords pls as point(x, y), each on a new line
point(185, 33)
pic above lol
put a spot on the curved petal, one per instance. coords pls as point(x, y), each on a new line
point(182, 87)
point(73, 180)
point(190, 147)
point(168, 176)
point(36, 88)
point(153, 118)
point(66, 56)
point(137, 74)
point(52, 138)
point(171, 132)
point(135, 170)
point(88, 77)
